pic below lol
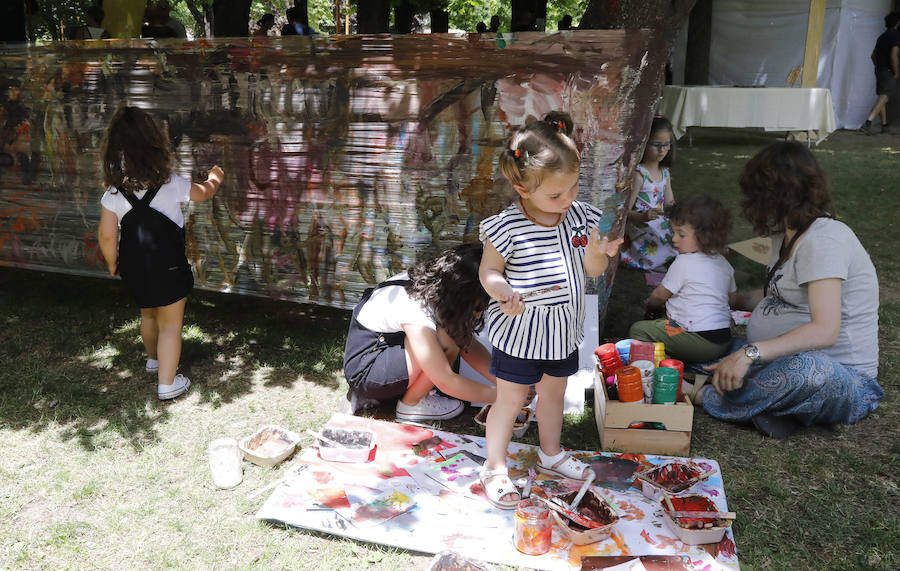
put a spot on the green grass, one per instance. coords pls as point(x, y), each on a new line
point(96, 472)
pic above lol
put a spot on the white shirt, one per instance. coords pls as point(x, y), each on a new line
point(700, 284)
point(390, 308)
point(538, 257)
point(168, 200)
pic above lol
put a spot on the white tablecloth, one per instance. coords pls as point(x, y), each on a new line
point(771, 108)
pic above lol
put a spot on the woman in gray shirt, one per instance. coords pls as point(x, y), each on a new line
point(812, 352)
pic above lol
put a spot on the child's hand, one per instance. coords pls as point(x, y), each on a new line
point(596, 246)
point(652, 214)
point(217, 174)
point(512, 305)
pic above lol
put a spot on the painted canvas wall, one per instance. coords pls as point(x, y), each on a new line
point(347, 159)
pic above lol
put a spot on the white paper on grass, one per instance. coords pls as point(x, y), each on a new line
point(574, 404)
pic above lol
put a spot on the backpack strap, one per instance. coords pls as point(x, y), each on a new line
point(144, 201)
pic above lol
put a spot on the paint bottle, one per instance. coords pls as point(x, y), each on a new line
point(641, 351)
point(628, 382)
point(608, 358)
point(678, 366)
point(624, 348)
point(659, 352)
point(665, 385)
point(646, 368)
point(533, 527)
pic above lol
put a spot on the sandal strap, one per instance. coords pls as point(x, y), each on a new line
point(485, 473)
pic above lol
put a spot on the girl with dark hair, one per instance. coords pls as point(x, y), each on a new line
point(648, 232)
point(537, 249)
point(141, 234)
point(812, 351)
point(406, 333)
point(695, 290)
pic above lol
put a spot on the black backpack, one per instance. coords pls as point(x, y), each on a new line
point(150, 243)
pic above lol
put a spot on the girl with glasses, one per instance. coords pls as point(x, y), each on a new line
point(648, 233)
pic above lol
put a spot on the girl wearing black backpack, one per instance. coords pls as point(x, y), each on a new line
point(141, 234)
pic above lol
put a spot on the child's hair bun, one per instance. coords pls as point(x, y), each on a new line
point(560, 120)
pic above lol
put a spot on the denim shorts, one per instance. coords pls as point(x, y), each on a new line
point(530, 371)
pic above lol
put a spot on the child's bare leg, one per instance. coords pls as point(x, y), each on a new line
point(551, 396)
point(500, 420)
point(420, 383)
point(169, 319)
point(149, 331)
point(551, 393)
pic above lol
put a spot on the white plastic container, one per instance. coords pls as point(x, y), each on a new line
point(520, 426)
point(693, 536)
point(356, 445)
point(225, 463)
point(655, 490)
point(269, 445)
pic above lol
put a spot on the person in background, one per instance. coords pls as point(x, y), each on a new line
point(886, 57)
point(649, 245)
point(93, 26)
point(480, 28)
point(264, 24)
point(812, 339)
point(565, 23)
point(296, 24)
point(495, 24)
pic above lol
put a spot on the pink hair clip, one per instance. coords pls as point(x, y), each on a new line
point(517, 153)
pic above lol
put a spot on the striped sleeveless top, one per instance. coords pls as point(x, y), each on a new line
point(538, 258)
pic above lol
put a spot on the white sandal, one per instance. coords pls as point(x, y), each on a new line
point(496, 484)
point(566, 467)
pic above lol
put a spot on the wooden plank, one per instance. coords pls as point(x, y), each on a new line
point(813, 42)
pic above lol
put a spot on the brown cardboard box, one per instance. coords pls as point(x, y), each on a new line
point(614, 417)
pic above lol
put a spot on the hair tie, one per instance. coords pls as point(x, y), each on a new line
point(517, 153)
point(560, 125)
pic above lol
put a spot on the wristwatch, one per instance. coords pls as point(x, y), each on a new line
point(752, 351)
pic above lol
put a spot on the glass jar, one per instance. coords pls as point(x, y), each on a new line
point(533, 527)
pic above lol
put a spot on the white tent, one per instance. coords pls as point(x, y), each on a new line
point(759, 42)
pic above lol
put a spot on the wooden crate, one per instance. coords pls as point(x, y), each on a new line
point(614, 417)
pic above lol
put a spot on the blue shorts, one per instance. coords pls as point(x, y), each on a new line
point(530, 371)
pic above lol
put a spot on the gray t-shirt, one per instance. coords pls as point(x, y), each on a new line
point(828, 249)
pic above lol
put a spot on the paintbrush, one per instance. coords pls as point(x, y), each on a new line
point(576, 517)
point(291, 472)
point(584, 488)
point(526, 491)
point(537, 292)
point(325, 439)
point(691, 514)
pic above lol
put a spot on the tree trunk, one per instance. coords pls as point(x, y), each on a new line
point(440, 21)
point(404, 15)
point(12, 29)
point(231, 18)
point(373, 17)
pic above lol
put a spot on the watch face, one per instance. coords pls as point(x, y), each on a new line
point(752, 352)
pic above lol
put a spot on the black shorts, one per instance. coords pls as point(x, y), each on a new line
point(375, 363)
point(530, 371)
point(161, 290)
point(885, 82)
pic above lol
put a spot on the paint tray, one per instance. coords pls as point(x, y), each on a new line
point(580, 535)
point(269, 445)
point(520, 426)
point(356, 445)
point(684, 528)
point(672, 477)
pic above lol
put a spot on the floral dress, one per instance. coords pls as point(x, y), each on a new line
point(649, 244)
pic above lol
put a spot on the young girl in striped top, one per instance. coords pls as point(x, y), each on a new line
point(536, 255)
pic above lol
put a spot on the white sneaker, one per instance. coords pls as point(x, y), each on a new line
point(152, 366)
point(432, 407)
point(179, 386)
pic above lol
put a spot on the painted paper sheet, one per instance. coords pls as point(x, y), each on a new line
point(442, 519)
point(347, 158)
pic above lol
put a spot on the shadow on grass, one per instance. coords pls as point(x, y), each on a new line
point(71, 354)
